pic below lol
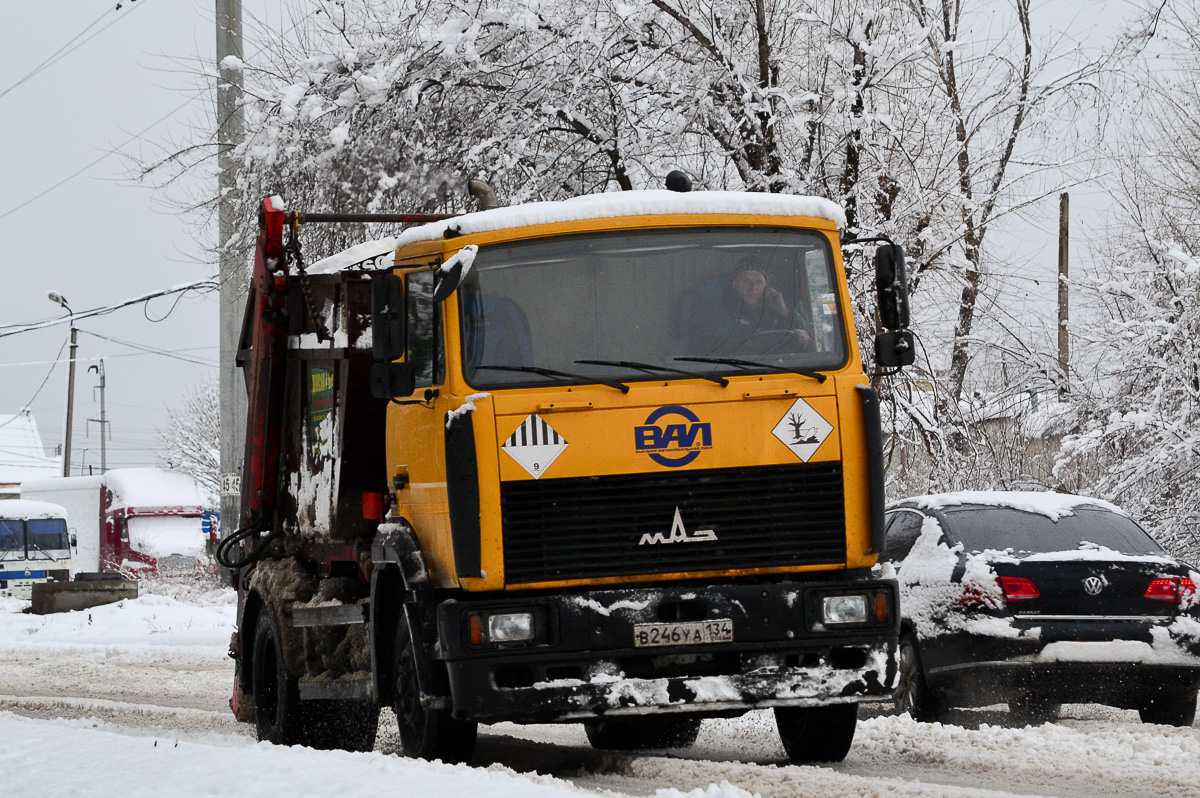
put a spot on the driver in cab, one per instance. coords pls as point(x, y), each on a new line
point(752, 317)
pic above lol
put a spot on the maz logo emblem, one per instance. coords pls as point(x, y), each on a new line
point(679, 534)
point(1093, 585)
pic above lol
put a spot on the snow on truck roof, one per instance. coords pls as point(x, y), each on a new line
point(656, 202)
point(151, 487)
point(25, 509)
point(1047, 503)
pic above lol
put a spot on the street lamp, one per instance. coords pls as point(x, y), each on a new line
point(58, 299)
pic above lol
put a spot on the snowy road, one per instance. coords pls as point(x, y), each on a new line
point(145, 685)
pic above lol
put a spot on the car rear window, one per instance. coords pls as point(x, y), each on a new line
point(1001, 528)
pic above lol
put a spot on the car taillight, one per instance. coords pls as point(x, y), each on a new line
point(1173, 589)
point(1018, 588)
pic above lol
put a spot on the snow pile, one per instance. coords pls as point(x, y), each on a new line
point(146, 764)
point(149, 627)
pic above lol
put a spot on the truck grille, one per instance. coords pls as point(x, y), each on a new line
point(590, 527)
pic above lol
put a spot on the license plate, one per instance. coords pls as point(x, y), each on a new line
point(687, 633)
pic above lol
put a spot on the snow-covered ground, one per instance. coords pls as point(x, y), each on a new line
point(131, 699)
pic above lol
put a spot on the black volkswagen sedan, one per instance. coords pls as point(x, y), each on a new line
point(1040, 599)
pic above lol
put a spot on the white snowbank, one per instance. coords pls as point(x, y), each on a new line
point(144, 626)
point(133, 763)
point(25, 509)
point(1051, 505)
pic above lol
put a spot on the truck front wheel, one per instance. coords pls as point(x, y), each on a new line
point(278, 717)
point(817, 734)
point(425, 732)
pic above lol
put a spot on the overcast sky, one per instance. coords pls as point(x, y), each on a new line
point(100, 238)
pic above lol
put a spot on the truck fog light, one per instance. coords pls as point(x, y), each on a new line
point(844, 609)
point(510, 627)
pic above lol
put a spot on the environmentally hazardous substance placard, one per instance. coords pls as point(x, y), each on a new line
point(802, 429)
point(535, 445)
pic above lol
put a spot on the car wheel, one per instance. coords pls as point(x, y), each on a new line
point(426, 732)
point(913, 694)
point(278, 717)
point(1032, 711)
point(817, 734)
point(630, 734)
point(1170, 708)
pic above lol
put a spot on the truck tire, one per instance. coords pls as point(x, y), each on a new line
point(278, 716)
point(817, 734)
point(629, 734)
point(341, 725)
point(913, 694)
point(425, 732)
point(1169, 708)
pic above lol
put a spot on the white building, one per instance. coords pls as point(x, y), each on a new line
point(22, 456)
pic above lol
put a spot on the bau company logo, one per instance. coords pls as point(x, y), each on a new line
point(673, 445)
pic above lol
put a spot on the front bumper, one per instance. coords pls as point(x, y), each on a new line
point(584, 663)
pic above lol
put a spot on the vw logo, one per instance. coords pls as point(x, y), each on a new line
point(1093, 585)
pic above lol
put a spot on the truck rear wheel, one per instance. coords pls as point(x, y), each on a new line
point(817, 734)
point(628, 734)
point(426, 732)
point(278, 717)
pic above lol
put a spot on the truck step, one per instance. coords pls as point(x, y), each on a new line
point(333, 615)
point(357, 688)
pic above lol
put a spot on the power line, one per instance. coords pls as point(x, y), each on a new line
point(40, 387)
point(59, 54)
point(80, 171)
point(203, 286)
point(151, 350)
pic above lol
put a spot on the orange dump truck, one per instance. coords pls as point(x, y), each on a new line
point(613, 460)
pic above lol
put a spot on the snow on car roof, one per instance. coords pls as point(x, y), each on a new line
point(593, 206)
point(26, 508)
point(151, 487)
point(1047, 503)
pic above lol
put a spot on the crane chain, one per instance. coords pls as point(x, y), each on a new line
point(293, 249)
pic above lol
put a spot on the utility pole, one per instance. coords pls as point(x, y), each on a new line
point(1064, 338)
point(58, 299)
point(230, 132)
point(99, 369)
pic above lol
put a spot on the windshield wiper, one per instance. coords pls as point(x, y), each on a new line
point(565, 375)
point(651, 368)
point(734, 361)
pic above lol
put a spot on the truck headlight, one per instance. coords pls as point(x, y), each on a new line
point(510, 627)
point(838, 610)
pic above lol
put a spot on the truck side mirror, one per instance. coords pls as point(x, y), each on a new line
point(74, 541)
point(387, 317)
point(447, 282)
point(895, 349)
point(891, 286)
point(390, 380)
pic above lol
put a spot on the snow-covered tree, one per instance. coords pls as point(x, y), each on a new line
point(191, 443)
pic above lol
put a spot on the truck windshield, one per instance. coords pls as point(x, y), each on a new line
point(646, 298)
